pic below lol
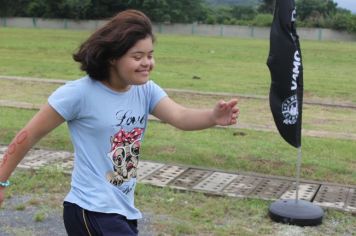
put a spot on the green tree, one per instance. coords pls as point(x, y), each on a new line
point(223, 15)
point(157, 10)
point(73, 9)
point(243, 12)
point(101, 9)
point(76, 9)
point(341, 21)
point(352, 24)
point(13, 7)
point(315, 8)
point(263, 20)
point(266, 6)
point(185, 11)
point(36, 8)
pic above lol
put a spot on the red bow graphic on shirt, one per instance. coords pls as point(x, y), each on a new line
point(122, 137)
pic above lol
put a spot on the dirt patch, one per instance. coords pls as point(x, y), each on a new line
point(270, 164)
point(168, 149)
point(26, 215)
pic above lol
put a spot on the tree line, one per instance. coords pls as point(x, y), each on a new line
point(311, 13)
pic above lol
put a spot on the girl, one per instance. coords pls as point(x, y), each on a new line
point(106, 112)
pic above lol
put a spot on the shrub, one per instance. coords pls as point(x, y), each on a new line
point(341, 21)
point(263, 20)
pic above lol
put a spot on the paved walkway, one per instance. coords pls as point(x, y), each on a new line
point(215, 182)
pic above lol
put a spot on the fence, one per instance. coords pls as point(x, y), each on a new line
point(186, 29)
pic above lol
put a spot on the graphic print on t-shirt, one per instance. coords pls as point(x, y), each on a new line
point(124, 155)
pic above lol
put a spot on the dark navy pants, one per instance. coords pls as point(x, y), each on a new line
point(81, 222)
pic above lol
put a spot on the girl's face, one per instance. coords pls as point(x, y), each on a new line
point(134, 67)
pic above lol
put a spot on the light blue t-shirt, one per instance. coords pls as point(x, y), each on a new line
point(106, 128)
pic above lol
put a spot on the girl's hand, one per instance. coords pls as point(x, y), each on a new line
point(226, 113)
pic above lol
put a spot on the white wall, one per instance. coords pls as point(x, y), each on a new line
point(185, 29)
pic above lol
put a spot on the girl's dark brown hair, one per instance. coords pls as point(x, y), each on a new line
point(112, 41)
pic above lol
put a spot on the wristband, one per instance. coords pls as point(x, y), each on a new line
point(5, 184)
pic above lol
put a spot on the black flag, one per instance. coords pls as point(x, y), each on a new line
point(285, 64)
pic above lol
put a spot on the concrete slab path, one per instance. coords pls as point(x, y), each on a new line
point(215, 182)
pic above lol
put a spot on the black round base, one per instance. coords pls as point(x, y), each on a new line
point(301, 213)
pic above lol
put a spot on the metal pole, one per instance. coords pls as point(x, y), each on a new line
point(299, 160)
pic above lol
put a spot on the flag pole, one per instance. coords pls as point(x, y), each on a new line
point(286, 99)
point(299, 161)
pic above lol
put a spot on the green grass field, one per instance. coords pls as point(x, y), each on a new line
point(255, 112)
point(223, 65)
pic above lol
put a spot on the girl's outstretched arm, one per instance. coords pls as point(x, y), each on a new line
point(223, 113)
point(41, 124)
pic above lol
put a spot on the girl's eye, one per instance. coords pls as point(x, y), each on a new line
point(137, 58)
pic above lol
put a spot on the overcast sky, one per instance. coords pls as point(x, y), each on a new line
point(348, 4)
